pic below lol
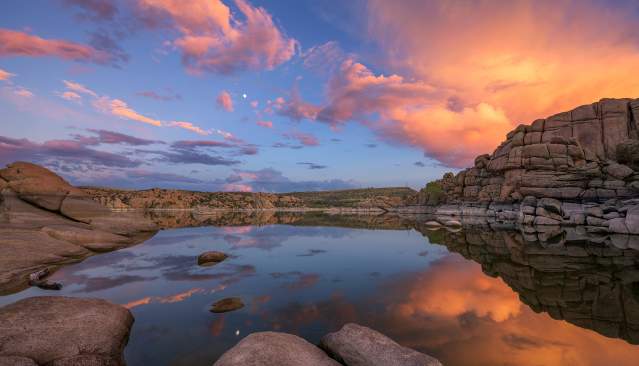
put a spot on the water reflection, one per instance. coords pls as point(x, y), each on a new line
point(504, 306)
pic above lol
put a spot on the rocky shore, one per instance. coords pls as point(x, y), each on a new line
point(579, 167)
point(46, 223)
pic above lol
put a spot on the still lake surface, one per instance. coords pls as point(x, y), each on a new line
point(418, 289)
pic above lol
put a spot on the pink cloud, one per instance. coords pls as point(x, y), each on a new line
point(120, 109)
point(213, 39)
point(305, 139)
point(295, 108)
point(265, 124)
point(79, 88)
point(15, 43)
point(23, 92)
point(254, 103)
point(225, 101)
point(71, 96)
point(237, 187)
point(5, 75)
point(190, 127)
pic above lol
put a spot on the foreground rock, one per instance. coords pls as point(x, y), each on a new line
point(226, 305)
point(272, 348)
point(56, 331)
point(355, 345)
point(211, 258)
point(45, 223)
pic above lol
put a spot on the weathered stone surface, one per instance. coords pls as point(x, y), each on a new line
point(632, 220)
point(65, 331)
point(82, 209)
point(16, 361)
point(356, 345)
point(36, 184)
point(628, 153)
point(272, 348)
point(618, 171)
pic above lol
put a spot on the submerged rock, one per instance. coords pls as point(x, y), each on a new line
point(60, 331)
point(271, 348)
point(226, 305)
point(211, 258)
point(356, 345)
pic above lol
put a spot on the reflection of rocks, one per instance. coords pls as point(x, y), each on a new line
point(587, 279)
point(45, 223)
point(355, 345)
point(271, 348)
point(63, 331)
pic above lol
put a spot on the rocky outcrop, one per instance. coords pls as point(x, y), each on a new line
point(60, 331)
point(353, 345)
point(588, 279)
point(45, 222)
point(586, 154)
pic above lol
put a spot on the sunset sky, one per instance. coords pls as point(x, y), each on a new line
point(294, 95)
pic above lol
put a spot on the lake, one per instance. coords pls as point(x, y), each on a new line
point(480, 296)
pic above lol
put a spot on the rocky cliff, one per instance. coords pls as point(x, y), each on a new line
point(590, 153)
point(556, 170)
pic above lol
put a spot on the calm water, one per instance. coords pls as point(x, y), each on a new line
point(310, 280)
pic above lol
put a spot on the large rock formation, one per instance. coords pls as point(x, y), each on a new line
point(59, 331)
point(586, 154)
point(45, 222)
point(555, 171)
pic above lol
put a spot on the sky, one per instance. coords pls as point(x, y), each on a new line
point(284, 95)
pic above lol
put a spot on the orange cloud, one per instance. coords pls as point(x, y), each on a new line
point(451, 288)
point(189, 126)
point(5, 75)
point(79, 88)
point(120, 109)
point(214, 40)
point(494, 65)
point(432, 311)
point(266, 124)
point(15, 43)
point(71, 96)
point(224, 101)
point(23, 92)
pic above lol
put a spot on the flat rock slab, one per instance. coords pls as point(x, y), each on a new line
point(60, 331)
point(356, 345)
point(274, 349)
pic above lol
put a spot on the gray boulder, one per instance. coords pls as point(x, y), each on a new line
point(356, 345)
point(272, 348)
point(59, 331)
point(632, 220)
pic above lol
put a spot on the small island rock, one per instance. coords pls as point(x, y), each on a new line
point(226, 305)
point(211, 258)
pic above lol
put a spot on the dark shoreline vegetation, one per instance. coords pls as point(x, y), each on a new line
point(553, 213)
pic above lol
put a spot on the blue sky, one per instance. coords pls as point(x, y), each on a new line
point(324, 95)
